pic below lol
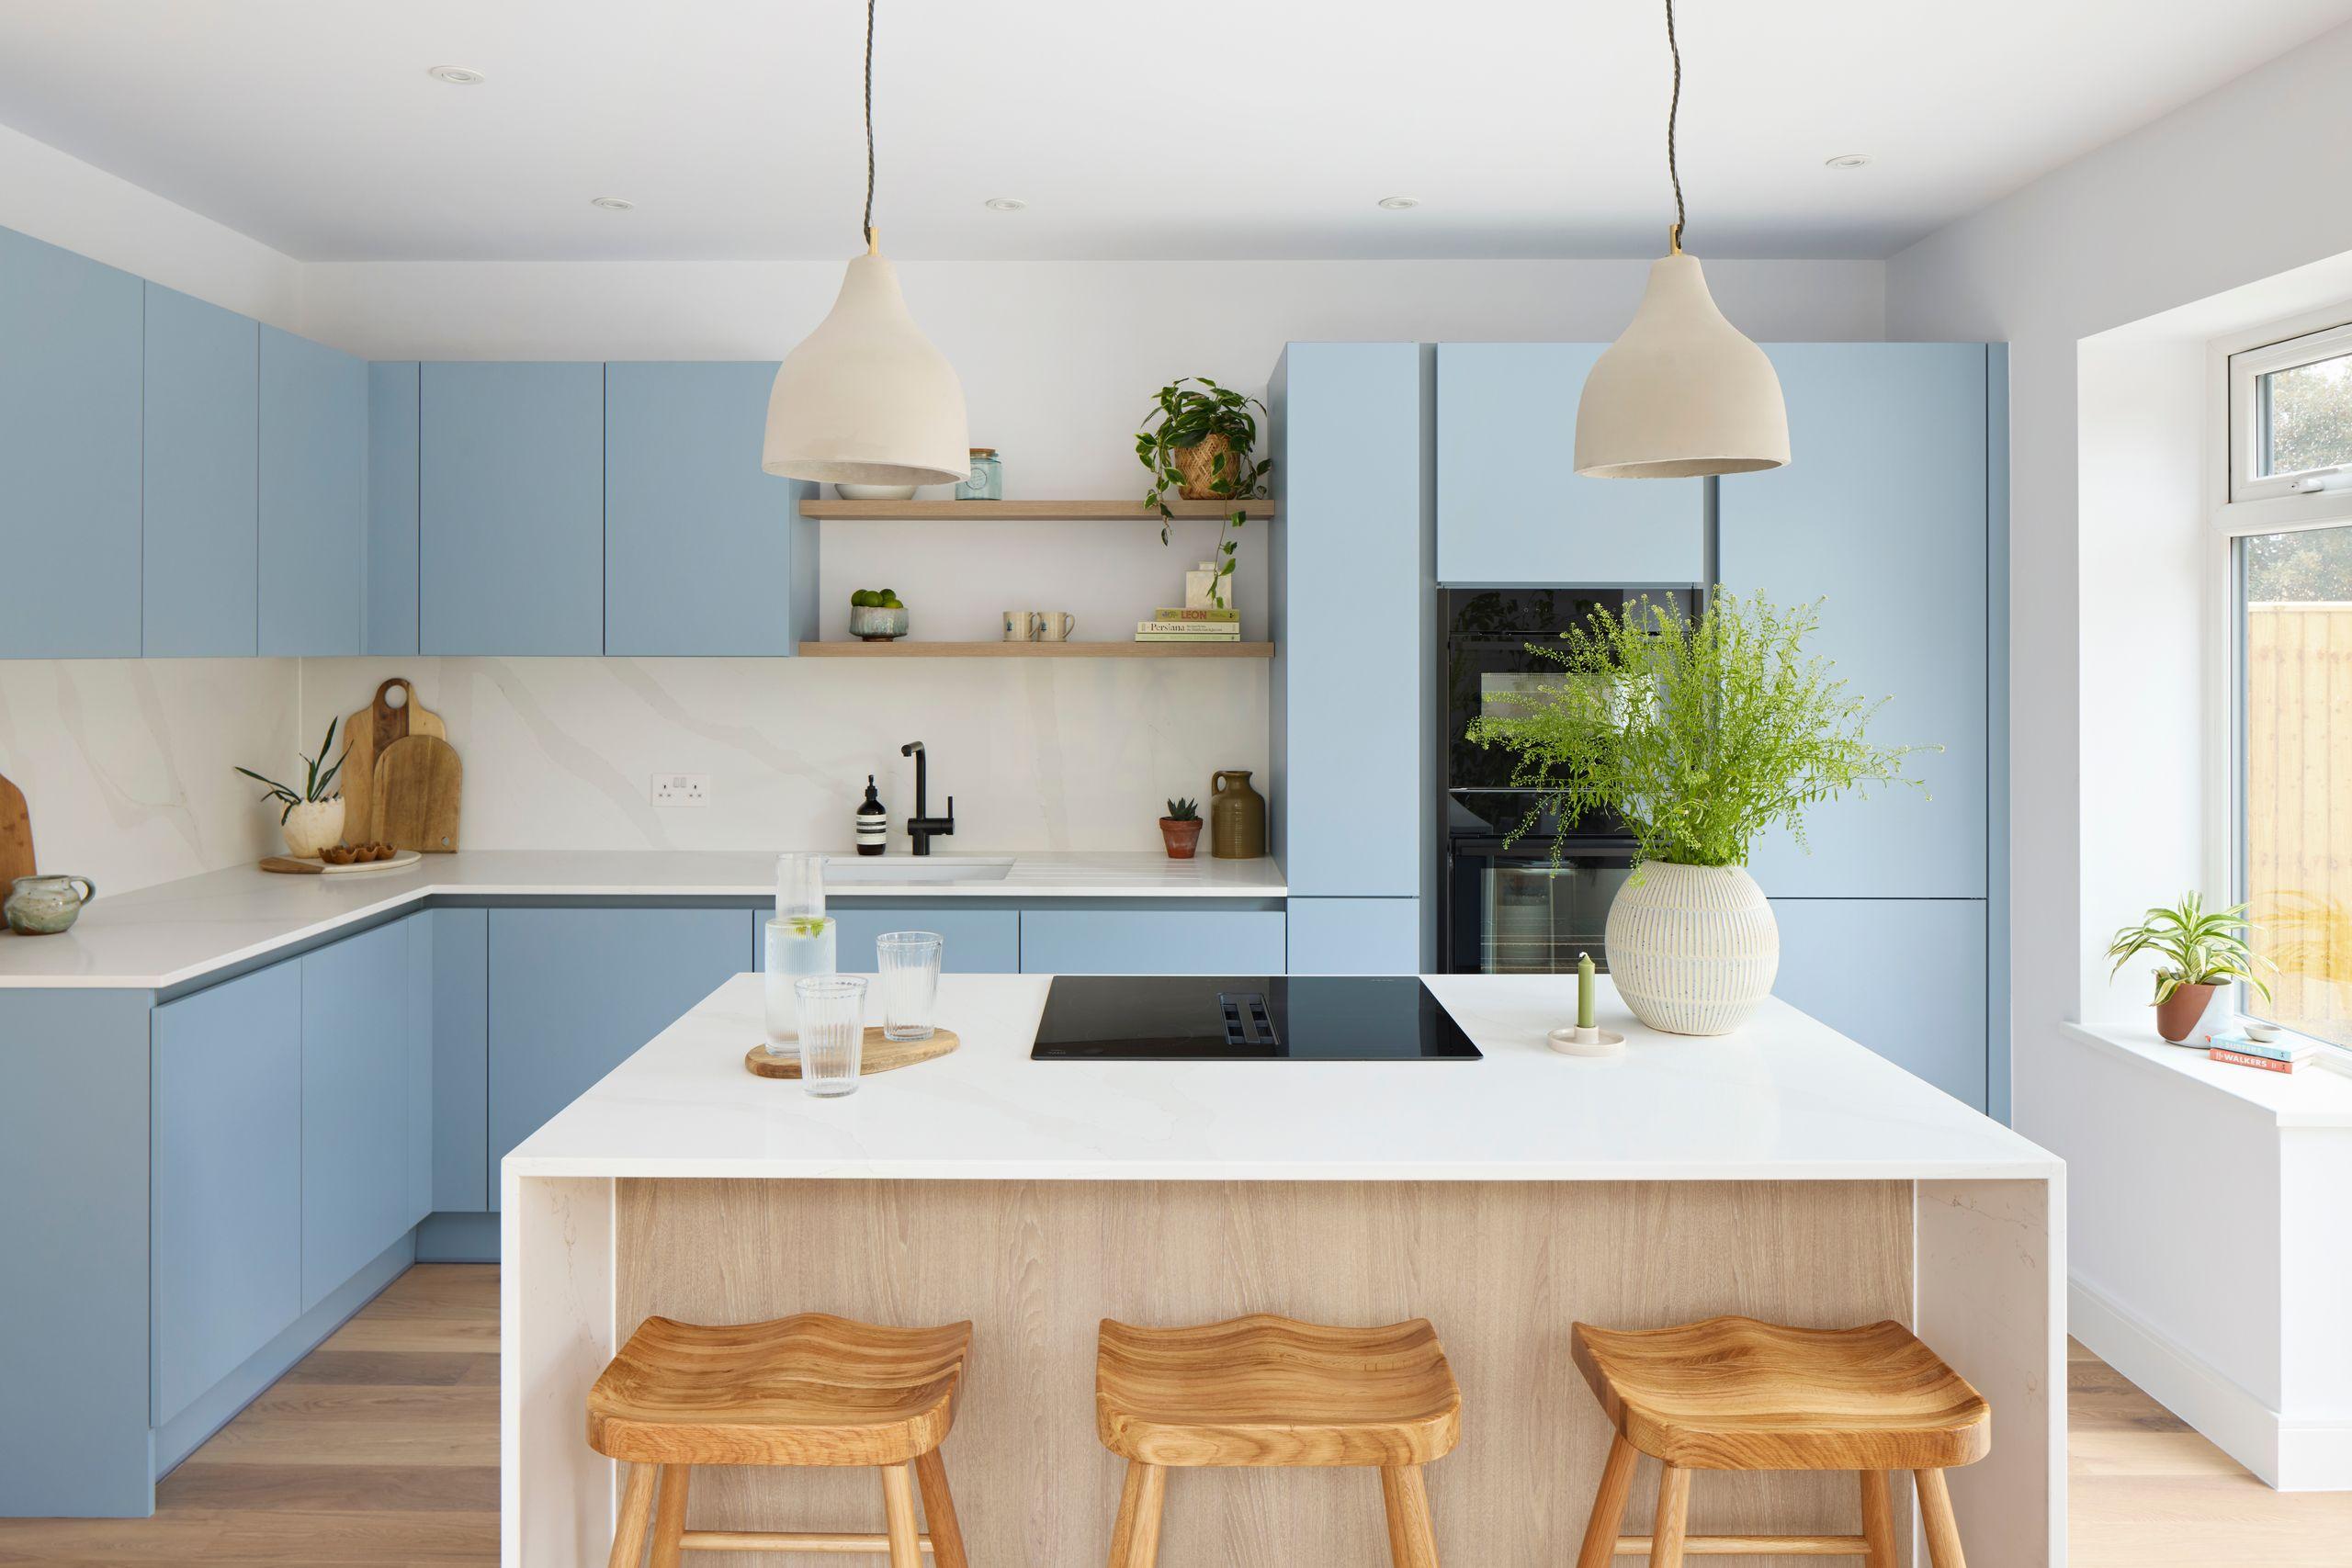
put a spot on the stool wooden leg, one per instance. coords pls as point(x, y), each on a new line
point(1412, 1538)
point(939, 1512)
point(1134, 1539)
point(1935, 1517)
point(1609, 1505)
point(1673, 1505)
point(1878, 1519)
point(670, 1515)
point(898, 1509)
point(637, 1510)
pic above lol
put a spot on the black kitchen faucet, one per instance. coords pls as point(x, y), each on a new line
point(922, 826)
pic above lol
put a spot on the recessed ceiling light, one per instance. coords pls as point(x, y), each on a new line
point(456, 75)
point(613, 203)
point(1005, 204)
point(1848, 160)
point(1400, 203)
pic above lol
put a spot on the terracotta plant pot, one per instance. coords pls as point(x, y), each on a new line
point(1197, 464)
point(1182, 837)
point(2178, 1013)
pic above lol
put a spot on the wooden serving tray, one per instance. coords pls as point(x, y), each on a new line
point(314, 866)
point(877, 1056)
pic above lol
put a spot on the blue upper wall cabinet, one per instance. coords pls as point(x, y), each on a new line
point(201, 562)
point(71, 374)
point(314, 460)
point(1511, 509)
point(704, 553)
point(1881, 515)
point(510, 509)
point(390, 615)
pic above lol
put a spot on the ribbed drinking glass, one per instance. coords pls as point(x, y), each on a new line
point(909, 961)
point(832, 1033)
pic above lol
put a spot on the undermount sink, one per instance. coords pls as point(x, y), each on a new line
point(849, 871)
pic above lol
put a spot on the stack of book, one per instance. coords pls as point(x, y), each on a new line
point(2239, 1049)
point(1190, 625)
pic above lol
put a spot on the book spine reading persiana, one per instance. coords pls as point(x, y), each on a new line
point(2240, 1059)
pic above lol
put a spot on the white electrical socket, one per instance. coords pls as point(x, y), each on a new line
point(681, 789)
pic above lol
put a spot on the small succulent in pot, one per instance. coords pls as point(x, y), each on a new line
point(1181, 829)
point(876, 615)
point(2198, 951)
point(313, 818)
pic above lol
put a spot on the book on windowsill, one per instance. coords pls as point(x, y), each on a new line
point(1170, 612)
point(1202, 631)
point(2279, 1050)
point(2242, 1059)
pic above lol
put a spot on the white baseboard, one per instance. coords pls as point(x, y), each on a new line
point(2291, 1456)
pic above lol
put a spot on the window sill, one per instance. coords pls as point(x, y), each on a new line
point(2317, 1094)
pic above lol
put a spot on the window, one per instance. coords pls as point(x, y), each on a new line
point(2290, 417)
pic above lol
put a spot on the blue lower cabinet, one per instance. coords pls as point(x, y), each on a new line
point(227, 1219)
point(573, 992)
point(360, 1096)
point(456, 943)
point(1355, 936)
point(1904, 976)
point(1152, 941)
point(972, 942)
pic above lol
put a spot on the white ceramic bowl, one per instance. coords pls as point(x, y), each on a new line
point(874, 493)
point(876, 623)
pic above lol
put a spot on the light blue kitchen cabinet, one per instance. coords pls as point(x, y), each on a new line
point(390, 615)
point(1152, 941)
point(359, 1099)
point(704, 553)
point(1351, 604)
point(575, 992)
point(70, 377)
point(972, 942)
point(1904, 976)
point(1882, 517)
point(314, 497)
point(510, 509)
point(226, 1171)
point(1511, 510)
point(458, 945)
point(1355, 936)
point(201, 487)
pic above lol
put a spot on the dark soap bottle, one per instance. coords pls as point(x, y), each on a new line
point(872, 822)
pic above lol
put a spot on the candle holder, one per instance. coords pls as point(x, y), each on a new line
point(1588, 1040)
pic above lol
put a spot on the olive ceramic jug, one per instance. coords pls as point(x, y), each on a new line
point(1236, 815)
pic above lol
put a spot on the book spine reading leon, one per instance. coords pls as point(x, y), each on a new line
point(1170, 612)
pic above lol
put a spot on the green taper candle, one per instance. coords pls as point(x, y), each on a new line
point(1584, 990)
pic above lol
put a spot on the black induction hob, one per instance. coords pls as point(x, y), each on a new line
point(1276, 1018)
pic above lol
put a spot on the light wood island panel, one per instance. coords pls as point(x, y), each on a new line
point(1500, 1268)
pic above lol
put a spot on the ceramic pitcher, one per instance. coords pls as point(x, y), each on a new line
point(1236, 815)
point(44, 906)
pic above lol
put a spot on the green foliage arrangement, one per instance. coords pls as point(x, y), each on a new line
point(1187, 415)
point(2197, 947)
point(316, 785)
point(1698, 734)
point(1186, 810)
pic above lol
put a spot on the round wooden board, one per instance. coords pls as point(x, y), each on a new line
point(877, 1056)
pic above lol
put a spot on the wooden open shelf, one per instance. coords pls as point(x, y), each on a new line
point(905, 650)
point(1028, 511)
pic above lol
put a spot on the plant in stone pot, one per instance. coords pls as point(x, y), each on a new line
point(2197, 950)
point(313, 819)
point(1698, 734)
point(1181, 829)
point(1196, 440)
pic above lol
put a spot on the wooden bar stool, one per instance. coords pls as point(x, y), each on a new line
point(1733, 1393)
point(1267, 1391)
point(811, 1390)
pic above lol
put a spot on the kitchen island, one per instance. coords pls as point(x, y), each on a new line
point(1782, 1172)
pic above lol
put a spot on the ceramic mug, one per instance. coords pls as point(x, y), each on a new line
point(45, 906)
point(1054, 625)
point(1022, 626)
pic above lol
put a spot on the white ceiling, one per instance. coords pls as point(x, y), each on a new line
point(1216, 130)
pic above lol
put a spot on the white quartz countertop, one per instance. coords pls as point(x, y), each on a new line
point(177, 932)
point(1787, 1097)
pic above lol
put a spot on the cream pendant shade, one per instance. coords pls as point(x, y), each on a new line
point(865, 399)
point(1680, 392)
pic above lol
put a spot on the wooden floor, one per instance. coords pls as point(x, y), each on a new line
point(381, 1450)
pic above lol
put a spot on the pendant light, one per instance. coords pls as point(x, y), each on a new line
point(865, 399)
point(1680, 392)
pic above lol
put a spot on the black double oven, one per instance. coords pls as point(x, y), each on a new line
point(1528, 904)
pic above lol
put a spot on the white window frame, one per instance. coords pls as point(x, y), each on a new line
point(2248, 365)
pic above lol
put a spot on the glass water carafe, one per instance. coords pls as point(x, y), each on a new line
point(799, 941)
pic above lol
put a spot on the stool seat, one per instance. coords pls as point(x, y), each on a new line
point(812, 1389)
point(1264, 1390)
point(1733, 1393)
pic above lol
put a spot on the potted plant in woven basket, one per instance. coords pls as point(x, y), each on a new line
point(1196, 440)
point(1698, 735)
point(2198, 951)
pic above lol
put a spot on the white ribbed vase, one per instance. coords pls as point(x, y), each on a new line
point(1692, 949)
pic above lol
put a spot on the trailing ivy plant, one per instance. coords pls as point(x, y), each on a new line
point(1187, 415)
point(1697, 734)
point(2196, 947)
point(317, 784)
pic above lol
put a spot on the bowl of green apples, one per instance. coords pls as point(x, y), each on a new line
point(876, 616)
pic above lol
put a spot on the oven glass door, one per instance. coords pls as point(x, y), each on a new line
point(1516, 913)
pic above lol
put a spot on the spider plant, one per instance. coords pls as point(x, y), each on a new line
point(2195, 947)
point(317, 784)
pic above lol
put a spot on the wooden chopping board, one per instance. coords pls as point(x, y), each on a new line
point(16, 835)
point(878, 1054)
point(414, 804)
point(369, 733)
